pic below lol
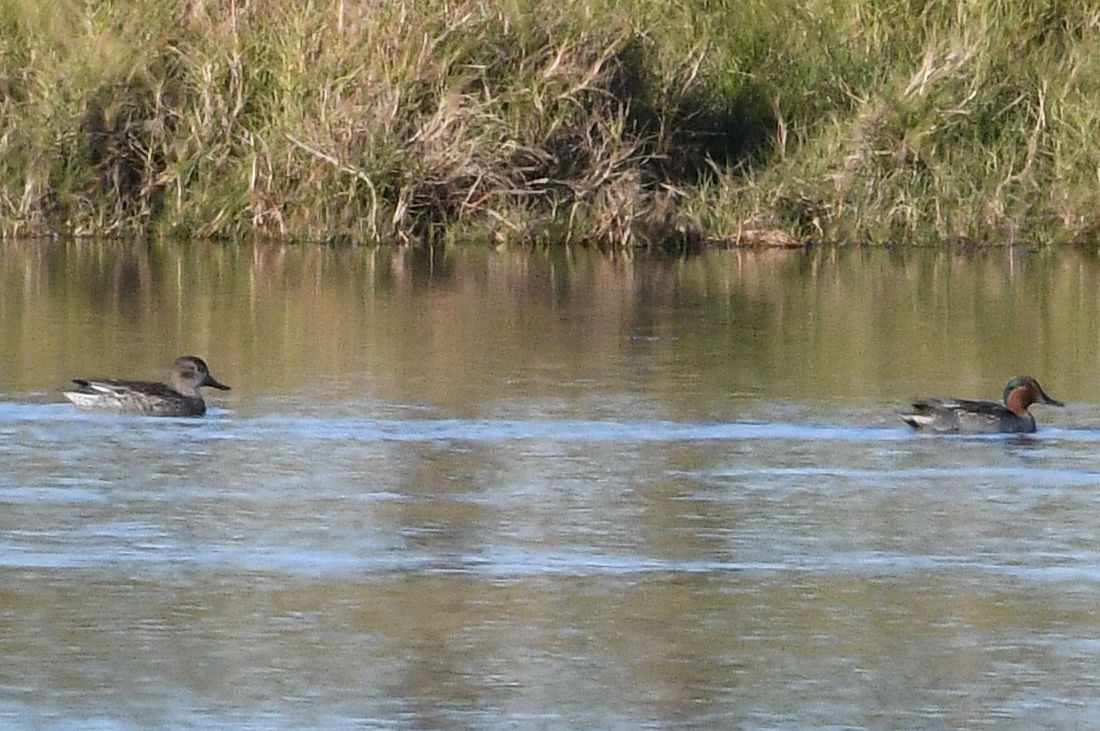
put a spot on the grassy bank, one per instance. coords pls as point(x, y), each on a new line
point(612, 123)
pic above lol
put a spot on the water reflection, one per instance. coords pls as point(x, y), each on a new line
point(468, 489)
point(456, 329)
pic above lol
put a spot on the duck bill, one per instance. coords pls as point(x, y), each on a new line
point(1044, 399)
point(213, 383)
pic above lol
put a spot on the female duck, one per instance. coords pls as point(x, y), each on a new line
point(950, 415)
point(181, 398)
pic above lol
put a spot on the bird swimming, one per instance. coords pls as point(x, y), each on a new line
point(180, 397)
point(965, 416)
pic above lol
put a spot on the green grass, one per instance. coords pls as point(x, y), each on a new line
point(616, 124)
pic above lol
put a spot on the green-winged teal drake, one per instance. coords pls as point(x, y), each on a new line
point(180, 398)
point(951, 415)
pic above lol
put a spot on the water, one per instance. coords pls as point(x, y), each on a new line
point(546, 490)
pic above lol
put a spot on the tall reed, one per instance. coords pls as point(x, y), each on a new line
point(608, 122)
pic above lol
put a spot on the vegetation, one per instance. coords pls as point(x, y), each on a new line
point(608, 122)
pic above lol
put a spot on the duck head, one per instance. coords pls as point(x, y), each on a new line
point(190, 373)
point(1023, 391)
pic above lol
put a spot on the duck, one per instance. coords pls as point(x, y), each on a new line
point(964, 416)
point(180, 397)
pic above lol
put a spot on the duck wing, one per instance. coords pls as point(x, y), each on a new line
point(109, 387)
point(988, 408)
point(951, 415)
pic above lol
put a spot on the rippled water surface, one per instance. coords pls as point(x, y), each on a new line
point(547, 490)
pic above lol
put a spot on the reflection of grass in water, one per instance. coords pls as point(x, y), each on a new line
point(590, 122)
point(471, 331)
